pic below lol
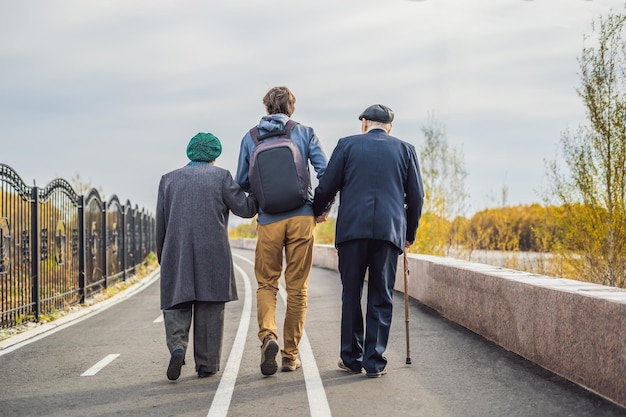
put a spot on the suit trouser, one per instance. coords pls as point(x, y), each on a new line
point(296, 236)
point(359, 348)
point(208, 331)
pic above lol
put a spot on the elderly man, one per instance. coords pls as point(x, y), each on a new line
point(197, 274)
point(381, 198)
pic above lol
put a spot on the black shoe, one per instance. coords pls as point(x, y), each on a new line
point(176, 362)
point(203, 373)
point(269, 349)
point(377, 374)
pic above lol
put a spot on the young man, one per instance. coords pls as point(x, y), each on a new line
point(290, 230)
point(381, 198)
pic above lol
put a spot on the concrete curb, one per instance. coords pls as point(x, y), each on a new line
point(574, 329)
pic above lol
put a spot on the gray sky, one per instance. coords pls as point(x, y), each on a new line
point(114, 90)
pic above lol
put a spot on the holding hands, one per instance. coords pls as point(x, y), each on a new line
point(322, 217)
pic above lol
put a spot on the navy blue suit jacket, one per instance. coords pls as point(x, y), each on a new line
point(380, 185)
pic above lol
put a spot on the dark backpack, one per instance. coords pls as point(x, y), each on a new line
point(279, 175)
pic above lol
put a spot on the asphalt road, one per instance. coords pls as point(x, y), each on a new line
point(113, 364)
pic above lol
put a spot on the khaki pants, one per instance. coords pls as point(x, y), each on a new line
point(296, 236)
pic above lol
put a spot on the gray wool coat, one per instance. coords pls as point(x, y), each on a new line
point(192, 233)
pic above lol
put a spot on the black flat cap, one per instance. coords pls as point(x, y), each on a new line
point(377, 113)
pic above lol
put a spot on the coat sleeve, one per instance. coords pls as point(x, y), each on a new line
point(236, 199)
point(331, 182)
point(160, 220)
point(414, 195)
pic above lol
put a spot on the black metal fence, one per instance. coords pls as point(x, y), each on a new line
point(58, 247)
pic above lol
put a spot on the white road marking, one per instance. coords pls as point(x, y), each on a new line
point(318, 402)
point(158, 319)
point(224, 393)
point(98, 367)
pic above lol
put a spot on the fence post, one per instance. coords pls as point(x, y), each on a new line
point(81, 248)
point(34, 252)
point(124, 243)
point(105, 245)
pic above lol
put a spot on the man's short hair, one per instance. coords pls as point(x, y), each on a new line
point(372, 124)
point(279, 100)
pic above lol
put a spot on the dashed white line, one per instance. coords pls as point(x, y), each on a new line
point(98, 367)
point(318, 402)
point(158, 319)
point(224, 393)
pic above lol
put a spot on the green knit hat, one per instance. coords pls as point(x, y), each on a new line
point(204, 147)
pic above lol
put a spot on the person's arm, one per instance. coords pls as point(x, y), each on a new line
point(330, 183)
point(160, 221)
point(317, 156)
point(243, 165)
point(414, 196)
point(236, 199)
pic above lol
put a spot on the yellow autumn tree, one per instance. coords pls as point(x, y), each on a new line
point(444, 174)
point(591, 186)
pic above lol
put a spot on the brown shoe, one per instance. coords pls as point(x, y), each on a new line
point(269, 349)
point(345, 367)
point(290, 365)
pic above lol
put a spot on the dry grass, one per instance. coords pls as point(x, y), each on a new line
point(27, 323)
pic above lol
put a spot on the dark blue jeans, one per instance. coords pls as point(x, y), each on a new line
point(364, 348)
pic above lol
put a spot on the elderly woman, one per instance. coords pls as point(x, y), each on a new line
point(197, 276)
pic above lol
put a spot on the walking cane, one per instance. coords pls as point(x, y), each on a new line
point(406, 307)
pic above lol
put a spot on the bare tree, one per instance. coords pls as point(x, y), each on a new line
point(444, 174)
point(592, 186)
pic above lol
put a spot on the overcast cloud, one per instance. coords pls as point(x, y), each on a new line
point(114, 90)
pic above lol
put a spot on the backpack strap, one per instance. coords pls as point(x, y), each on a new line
point(289, 126)
point(254, 132)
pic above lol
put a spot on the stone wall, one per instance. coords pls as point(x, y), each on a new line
point(574, 329)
